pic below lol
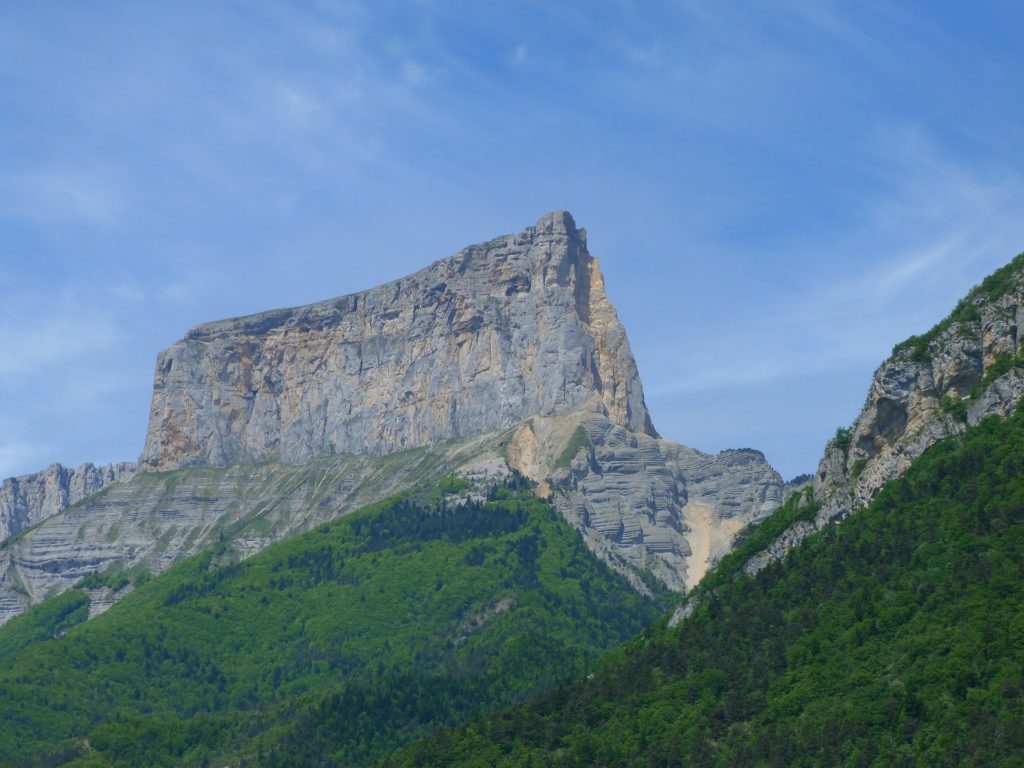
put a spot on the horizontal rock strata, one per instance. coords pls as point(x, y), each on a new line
point(644, 503)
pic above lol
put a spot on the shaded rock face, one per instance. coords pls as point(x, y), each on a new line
point(920, 396)
point(904, 412)
point(474, 343)
point(643, 503)
point(30, 499)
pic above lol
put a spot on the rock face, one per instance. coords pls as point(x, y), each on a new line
point(30, 499)
point(966, 368)
point(472, 344)
point(643, 503)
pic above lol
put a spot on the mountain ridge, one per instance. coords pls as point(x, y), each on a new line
point(31, 498)
point(968, 366)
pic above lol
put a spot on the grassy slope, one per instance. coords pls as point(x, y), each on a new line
point(894, 639)
point(337, 645)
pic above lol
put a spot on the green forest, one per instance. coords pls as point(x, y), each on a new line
point(436, 628)
point(893, 639)
point(331, 648)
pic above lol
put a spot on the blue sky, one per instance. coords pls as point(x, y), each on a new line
point(778, 192)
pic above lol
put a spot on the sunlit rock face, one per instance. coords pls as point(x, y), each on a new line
point(474, 343)
point(507, 356)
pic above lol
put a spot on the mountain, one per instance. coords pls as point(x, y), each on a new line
point(871, 619)
point(415, 612)
point(29, 499)
point(505, 357)
point(874, 620)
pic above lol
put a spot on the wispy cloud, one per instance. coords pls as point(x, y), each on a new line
point(935, 228)
point(128, 291)
point(298, 107)
point(65, 194)
point(42, 332)
point(17, 458)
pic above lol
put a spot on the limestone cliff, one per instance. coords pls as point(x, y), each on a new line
point(30, 499)
point(967, 367)
point(512, 328)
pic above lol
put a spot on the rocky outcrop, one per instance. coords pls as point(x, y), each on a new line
point(475, 343)
point(645, 504)
point(30, 499)
point(968, 367)
point(641, 503)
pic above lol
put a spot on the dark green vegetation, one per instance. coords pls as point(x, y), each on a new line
point(992, 288)
point(578, 440)
point(46, 622)
point(893, 639)
point(842, 439)
point(334, 647)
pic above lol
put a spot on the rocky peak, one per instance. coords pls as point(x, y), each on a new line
point(504, 330)
point(967, 367)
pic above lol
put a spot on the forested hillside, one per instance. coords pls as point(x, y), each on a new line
point(331, 648)
point(893, 639)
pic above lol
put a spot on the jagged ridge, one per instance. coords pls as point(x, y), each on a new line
point(29, 499)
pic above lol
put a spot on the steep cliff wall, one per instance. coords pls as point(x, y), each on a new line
point(515, 327)
point(30, 499)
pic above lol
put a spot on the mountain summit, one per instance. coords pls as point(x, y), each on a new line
point(516, 327)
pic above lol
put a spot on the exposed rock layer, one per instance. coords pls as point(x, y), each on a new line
point(644, 503)
point(156, 519)
point(475, 343)
point(30, 499)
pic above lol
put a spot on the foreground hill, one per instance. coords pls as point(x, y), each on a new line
point(888, 639)
point(416, 612)
point(970, 365)
point(893, 639)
